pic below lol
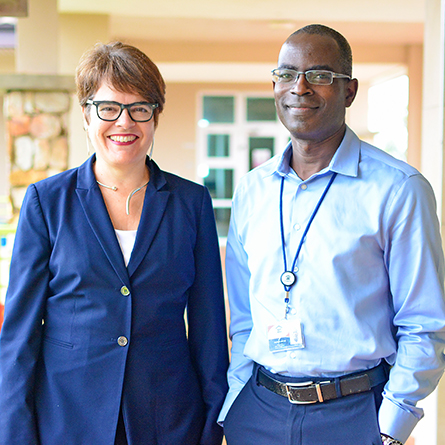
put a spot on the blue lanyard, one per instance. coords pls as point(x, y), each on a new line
point(288, 278)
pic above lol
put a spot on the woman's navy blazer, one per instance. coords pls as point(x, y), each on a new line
point(84, 335)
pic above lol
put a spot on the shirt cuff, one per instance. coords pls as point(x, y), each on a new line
point(395, 421)
point(230, 398)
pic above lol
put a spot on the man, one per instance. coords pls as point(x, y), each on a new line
point(335, 273)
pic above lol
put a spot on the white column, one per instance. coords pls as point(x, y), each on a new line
point(432, 166)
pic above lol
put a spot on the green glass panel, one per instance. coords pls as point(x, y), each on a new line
point(260, 150)
point(218, 145)
point(219, 109)
point(220, 183)
point(261, 109)
point(222, 217)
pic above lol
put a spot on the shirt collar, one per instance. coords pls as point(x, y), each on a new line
point(345, 160)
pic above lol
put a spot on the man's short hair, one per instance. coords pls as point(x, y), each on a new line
point(343, 45)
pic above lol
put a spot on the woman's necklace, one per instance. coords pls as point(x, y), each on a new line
point(114, 189)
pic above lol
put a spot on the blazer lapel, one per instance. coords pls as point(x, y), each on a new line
point(96, 213)
point(155, 202)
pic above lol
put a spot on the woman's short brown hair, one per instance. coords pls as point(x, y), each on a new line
point(125, 68)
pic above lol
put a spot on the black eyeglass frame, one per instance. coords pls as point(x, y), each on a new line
point(122, 107)
point(298, 73)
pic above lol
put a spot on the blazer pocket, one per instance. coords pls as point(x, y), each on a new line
point(57, 342)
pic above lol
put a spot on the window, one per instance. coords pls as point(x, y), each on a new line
point(219, 181)
point(260, 150)
point(218, 145)
point(218, 109)
point(261, 109)
point(236, 133)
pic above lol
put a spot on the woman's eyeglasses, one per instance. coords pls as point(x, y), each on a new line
point(110, 111)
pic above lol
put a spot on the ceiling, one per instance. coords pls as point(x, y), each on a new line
point(361, 21)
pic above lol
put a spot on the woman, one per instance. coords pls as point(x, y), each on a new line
point(107, 258)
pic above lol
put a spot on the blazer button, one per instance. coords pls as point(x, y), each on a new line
point(124, 291)
point(122, 341)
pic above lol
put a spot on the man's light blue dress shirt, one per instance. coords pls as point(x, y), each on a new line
point(369, 276)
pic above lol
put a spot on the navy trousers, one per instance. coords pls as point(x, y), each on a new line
point(121, 435)
point(260, 417)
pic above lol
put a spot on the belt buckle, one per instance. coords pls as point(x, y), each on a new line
point(302, 385)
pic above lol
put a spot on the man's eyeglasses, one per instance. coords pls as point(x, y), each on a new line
point(110, 111)
point(314, 77)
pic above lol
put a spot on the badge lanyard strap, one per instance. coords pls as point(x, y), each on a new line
point(287, 288)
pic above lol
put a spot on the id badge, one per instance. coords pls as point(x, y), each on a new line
point(285, 335)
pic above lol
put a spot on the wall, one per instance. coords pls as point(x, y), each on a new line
point(175, 138)
point(7, 61)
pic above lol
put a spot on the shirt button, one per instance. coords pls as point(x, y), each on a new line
point(297, 226)
point(122, 341)
point(124, 291)
point(296, 269)
point(293, 355)
point(303, 186)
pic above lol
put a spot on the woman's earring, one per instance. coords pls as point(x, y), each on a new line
point(151, 149)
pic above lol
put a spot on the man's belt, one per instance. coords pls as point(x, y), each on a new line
point(323, 389)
